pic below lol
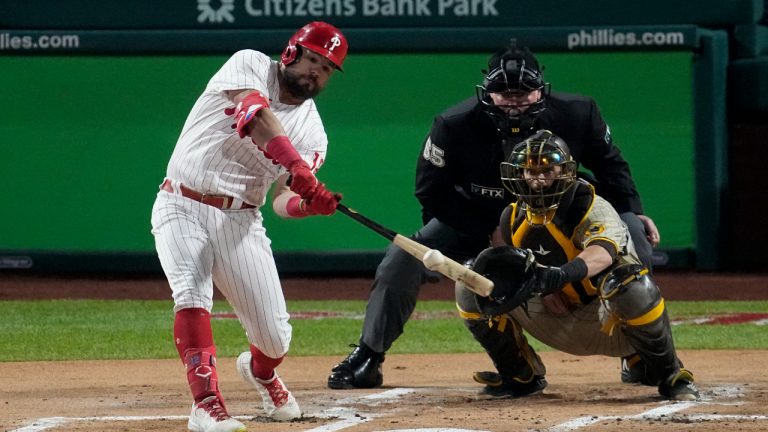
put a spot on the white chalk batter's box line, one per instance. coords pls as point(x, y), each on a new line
point(344, 417)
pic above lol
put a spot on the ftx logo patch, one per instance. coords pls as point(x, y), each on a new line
point(488, 192)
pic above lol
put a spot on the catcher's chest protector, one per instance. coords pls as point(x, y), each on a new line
point(551, 242)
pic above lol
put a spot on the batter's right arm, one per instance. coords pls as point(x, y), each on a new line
point(254, 119)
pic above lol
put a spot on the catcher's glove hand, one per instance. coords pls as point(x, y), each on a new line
point(512, 271)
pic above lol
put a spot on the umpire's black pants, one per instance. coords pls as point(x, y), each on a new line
point(400, 276)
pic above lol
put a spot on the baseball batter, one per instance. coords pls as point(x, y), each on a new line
point(254, 128)
point(595, 296)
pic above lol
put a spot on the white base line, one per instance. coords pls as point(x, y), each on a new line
point(654, 414)
point(351, 417)
point(52, 422)
point(347, 416)
point(581, 422)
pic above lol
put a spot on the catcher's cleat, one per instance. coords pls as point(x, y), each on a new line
point(279, 403)
point(679, 386)
point(361, 369)
point(497, 385)
point(210, 415)
point(633, 371)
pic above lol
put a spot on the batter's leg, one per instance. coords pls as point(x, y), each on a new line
point(185, 254)
point(245, 273)
point(187, 259)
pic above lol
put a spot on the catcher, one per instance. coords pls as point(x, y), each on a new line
point(569, 275)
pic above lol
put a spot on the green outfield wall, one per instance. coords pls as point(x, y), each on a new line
point(95, 93)
point(85, 141)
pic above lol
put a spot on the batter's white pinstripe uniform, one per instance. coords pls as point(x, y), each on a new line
point(200, 245)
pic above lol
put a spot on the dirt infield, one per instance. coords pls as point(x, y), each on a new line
point(421, 392)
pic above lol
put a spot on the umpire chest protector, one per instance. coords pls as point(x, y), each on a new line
point(552, 242)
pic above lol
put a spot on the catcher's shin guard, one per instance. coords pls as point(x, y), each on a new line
point(503, 340)
point(633, 300)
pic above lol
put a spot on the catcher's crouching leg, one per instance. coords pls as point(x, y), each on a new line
point(634, 300)
point(520, 370)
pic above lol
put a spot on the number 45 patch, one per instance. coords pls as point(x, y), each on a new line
point(433, 154)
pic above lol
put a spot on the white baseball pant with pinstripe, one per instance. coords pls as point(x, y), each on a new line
point(200, 245)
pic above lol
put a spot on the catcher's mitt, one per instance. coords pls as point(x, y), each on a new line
point(512, 271)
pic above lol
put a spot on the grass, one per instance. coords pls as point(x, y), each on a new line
point(110, 329)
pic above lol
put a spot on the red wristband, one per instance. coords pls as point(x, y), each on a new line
point(282, 150)
point(295, 207)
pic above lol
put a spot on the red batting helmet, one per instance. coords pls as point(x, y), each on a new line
point(321, 38)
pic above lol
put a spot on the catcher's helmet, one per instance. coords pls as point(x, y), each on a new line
point(319, 37)
point(542, 154)
point(513, 69)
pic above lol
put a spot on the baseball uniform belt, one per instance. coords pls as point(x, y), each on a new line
point(218, 201)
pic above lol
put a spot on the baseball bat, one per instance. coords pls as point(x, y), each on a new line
point(451, 269)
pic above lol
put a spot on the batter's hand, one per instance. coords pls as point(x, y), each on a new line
point(303, 181)
point(323, 202)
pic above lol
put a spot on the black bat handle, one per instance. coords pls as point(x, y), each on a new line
point(386, 232)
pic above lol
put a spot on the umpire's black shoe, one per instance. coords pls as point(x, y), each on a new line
point(361, 369)
point(497, 385)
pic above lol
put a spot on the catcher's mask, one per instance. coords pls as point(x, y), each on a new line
point(513, 70)
point(320, 37)
point(539, 171)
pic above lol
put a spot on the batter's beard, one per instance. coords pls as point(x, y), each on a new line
point(300, 91)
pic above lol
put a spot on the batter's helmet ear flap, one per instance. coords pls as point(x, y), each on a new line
point(290, 55)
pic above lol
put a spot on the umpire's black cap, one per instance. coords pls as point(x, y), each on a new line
point(513, 68)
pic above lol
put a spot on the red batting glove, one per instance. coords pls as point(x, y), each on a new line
point(323, 202)
point(303, 181)
point(246, 110)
